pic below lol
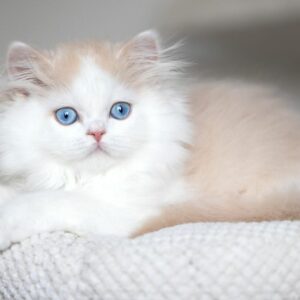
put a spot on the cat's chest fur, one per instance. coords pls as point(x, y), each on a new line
point(132, 181)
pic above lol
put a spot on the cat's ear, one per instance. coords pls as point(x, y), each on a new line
point(24, 63)
point(146, 61)
point(145, 47)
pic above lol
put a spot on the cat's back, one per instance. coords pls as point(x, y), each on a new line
point(245, 135)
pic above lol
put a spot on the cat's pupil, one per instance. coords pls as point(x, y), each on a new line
point(66, 115)
point(120, 109)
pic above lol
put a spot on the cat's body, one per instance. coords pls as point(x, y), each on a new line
point(244, 163)
point(229, 151)
point(249, 140)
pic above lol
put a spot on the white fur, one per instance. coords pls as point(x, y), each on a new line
point(72, 185)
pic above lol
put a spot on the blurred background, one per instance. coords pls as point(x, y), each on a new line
point(257, 40)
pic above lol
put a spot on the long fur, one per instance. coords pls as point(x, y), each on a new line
point(226, 151)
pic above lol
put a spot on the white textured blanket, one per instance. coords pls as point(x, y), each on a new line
point(196, 261)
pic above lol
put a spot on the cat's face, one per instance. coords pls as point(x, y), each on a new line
point(95, 115)
point(88, 104)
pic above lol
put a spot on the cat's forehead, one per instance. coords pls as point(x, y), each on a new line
point(90, 79)
point(95, 88)
point(70, 60)
point(117, 60)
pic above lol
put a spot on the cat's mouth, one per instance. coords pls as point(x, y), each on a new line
point(99, 149)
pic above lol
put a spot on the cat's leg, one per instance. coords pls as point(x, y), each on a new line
point(33, 213)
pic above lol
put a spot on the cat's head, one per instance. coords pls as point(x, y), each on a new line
point(92, 105)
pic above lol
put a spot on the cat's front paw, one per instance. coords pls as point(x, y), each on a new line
point(13, 227)
point(12, 233)
point(6, 194)
point(7, 235)
point(5, 240)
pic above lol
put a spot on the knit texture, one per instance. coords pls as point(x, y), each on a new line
point(193, 261)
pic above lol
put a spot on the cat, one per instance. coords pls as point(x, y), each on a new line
point(93, 137)
point(99, 138)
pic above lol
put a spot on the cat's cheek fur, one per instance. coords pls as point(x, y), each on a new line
point(71, 142)
point(19, 137)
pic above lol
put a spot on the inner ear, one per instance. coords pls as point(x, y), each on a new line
point(144, 47)
point(24, 63)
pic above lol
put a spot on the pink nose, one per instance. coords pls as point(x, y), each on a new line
point(96, 134)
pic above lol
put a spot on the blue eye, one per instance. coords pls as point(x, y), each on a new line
point(66, 115)
point(120, 110)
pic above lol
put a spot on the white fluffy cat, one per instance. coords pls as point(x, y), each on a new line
point(92, 138)
point(98, 139)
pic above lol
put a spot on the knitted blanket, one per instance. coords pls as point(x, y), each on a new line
point(194, 261)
